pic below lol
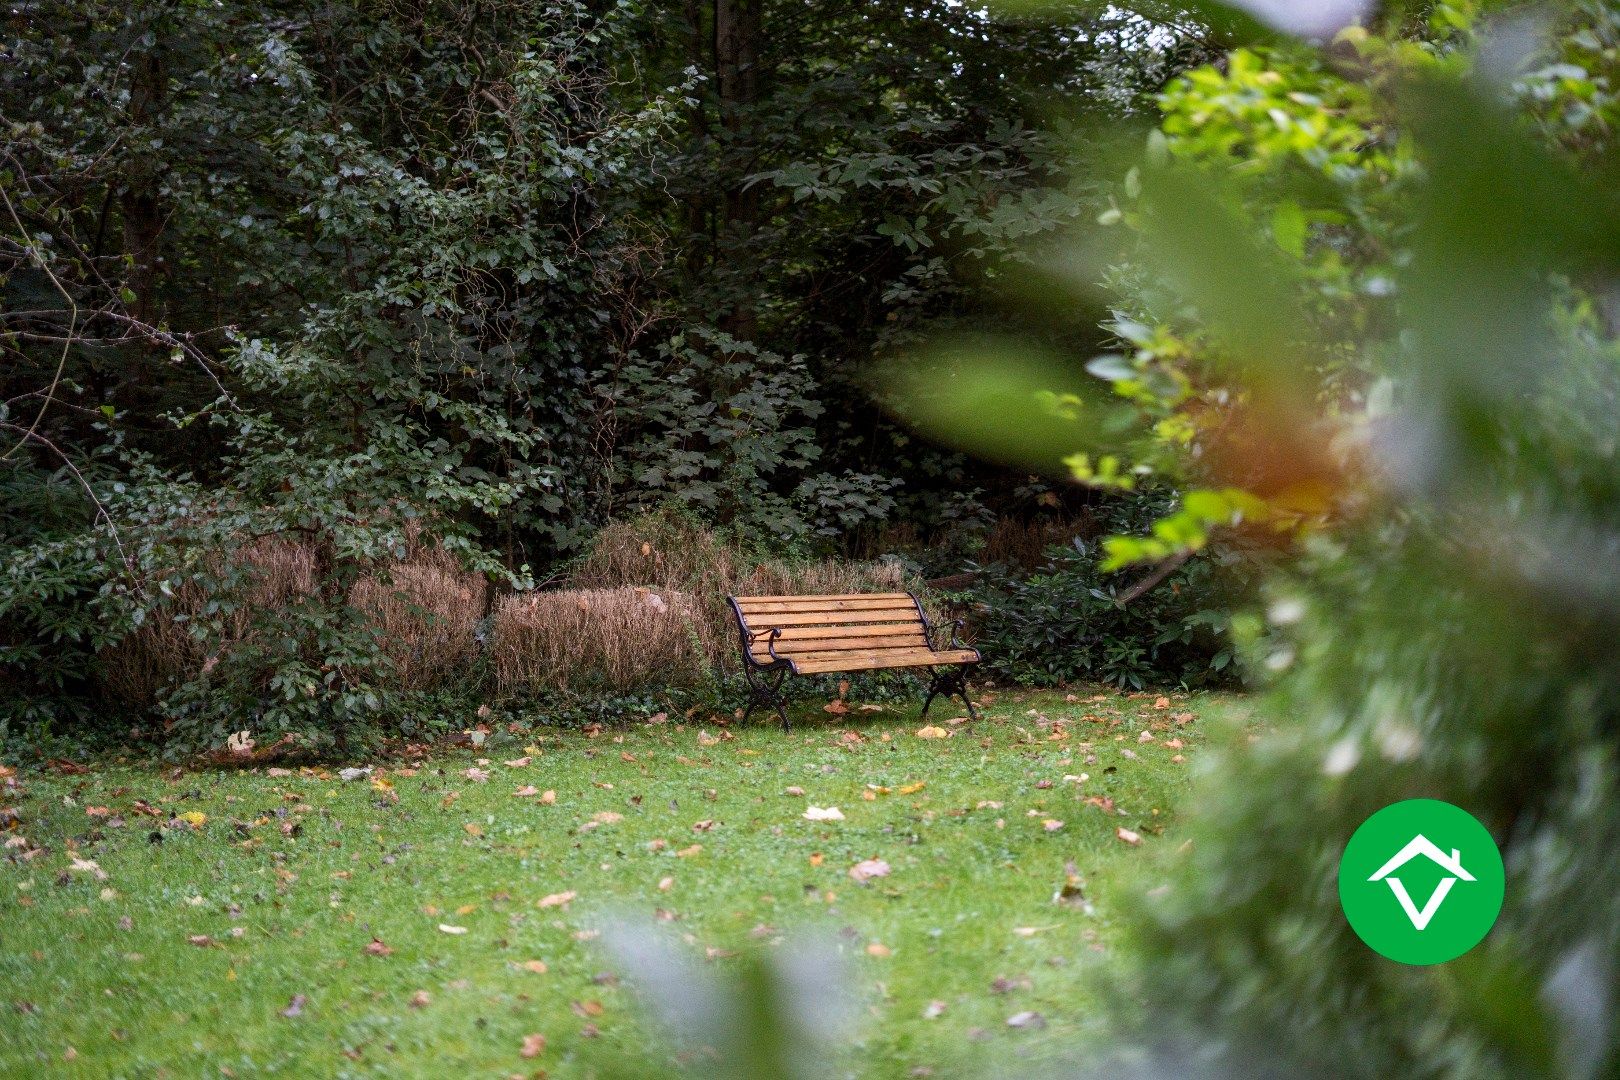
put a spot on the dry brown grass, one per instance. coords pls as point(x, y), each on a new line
point(662, 552)
point(646, 606)
point(137, 668)
point(616, 639)
point(1016, 542)
point(428, 613)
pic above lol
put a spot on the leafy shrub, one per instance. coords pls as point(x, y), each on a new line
point(1062, 623)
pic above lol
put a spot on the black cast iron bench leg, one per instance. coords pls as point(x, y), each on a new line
point(948, 682)
point(763, 690)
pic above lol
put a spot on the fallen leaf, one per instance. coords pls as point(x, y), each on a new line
point(932, 732)
point(1162, 703)
point(538, 967)
point(794, 791)
point(817, 813)
point(912, 789)
point(1051, 824)
point(202, 941)
point(816, 858)
point(1128, 836)
point(836, 707)
point(446, 928)
point(879, 949)
point(665, 884)
point(703, 826)
point(97, 811)
point(559, 899)
point(518, 763)
point(548, 797)
point(477, 776)
point(934, 1010)
point(194, 818)
point(420, 1000)
point(687, 852)
point(607, 817)
point(295, 1007)
point(377, 948)
point(867, 869)
point(350, 774)
point(472, 828)
point(88, 866)
point(1031, 1020)
point(532, 1045)
point(526, 790)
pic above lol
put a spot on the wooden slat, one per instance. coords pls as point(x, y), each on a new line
point(812, 603)
point(831, 646)
point(877, 630)
point(896, 658)
point(837, 653)
point(746, 600)
point(828, 618)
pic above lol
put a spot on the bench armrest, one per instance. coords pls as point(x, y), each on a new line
point(956, 629)
point(770, 640)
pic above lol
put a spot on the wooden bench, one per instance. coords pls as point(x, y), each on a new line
point(819, 635)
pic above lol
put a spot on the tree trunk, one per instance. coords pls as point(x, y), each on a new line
point(141, 210)
point(737, 38)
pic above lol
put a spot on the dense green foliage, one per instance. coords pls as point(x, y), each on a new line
point(484, 275)
point(1411, 350)
point(1064, 623)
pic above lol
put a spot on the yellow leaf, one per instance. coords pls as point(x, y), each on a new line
point(194, 818)
point(932, 732)
point(912, 789)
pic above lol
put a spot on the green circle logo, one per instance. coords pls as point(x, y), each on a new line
point(1421, 882)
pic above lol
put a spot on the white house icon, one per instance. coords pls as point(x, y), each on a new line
point(1420, 845)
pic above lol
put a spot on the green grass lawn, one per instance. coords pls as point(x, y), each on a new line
point(135, 943)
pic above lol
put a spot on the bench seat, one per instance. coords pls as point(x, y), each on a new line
point(823, 635)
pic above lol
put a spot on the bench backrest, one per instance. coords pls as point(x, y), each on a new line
point(823, 627)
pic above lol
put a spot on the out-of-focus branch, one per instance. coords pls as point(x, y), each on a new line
point(1160, 572)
